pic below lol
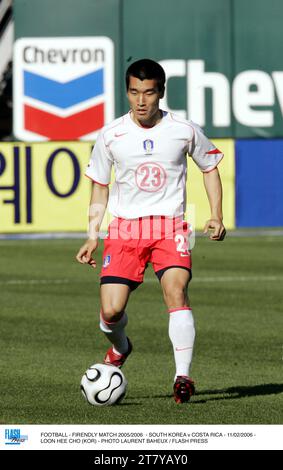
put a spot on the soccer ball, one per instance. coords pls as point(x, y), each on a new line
point(103, 384)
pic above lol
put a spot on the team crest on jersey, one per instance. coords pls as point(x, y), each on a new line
point(106, 261)
point(148, 146)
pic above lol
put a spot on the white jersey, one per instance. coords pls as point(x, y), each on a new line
point(150, 164)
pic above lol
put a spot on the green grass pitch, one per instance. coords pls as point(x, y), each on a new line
point(49, 309)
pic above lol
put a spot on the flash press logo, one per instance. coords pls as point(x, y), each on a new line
point(14, 437)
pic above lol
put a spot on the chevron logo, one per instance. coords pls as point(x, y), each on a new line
point(63, 96)
point(63, 87)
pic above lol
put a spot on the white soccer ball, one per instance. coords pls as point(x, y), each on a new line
point(103, 384)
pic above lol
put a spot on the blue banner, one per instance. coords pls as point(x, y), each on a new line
point(259, 183)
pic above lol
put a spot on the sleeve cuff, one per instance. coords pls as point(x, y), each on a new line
point(211, 168)
point(97, 182)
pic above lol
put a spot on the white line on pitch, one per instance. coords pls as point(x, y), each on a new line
point(231, 279)
point(35, 281)
point(150, 280)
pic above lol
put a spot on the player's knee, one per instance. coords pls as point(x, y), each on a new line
point(175, 296)
point(111, 314)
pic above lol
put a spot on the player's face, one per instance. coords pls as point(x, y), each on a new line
point(144, 96)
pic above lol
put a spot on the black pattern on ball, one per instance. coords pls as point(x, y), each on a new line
point(115, 388)
point(95, 378)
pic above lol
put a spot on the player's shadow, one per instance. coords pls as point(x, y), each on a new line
point(241, 391)
point(233, 393)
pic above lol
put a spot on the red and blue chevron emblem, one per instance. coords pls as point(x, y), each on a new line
point(63, 87)
point(63, 96)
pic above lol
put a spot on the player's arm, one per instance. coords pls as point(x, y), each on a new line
point(97, 207)
point(213, 187)
point(99, 171)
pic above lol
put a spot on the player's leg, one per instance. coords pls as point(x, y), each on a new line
point(113, 321)
point(171, 259)
point(174, 284)
point(121, 273)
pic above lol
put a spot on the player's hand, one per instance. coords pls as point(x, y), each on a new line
point(217, 228)
point(84, 255)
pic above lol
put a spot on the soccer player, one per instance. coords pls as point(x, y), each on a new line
point(148, 148)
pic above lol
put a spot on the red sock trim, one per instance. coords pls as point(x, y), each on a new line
point(109, 322)
point(172, 310)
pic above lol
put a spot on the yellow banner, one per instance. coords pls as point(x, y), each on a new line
point(196, 192)
point(43, 187)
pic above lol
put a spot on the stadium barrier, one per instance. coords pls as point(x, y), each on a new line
point(43, 188)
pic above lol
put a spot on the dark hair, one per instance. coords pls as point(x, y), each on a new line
point(146, 69)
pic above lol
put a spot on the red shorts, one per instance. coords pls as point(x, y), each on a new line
point(131, 244)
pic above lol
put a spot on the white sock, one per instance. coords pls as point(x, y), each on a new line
point(115, 332)
point(182, 335)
